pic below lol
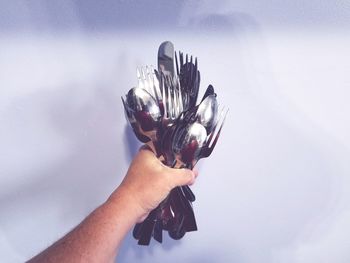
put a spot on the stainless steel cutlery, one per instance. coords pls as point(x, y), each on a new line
point(163, 113)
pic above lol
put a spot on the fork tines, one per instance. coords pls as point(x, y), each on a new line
point(172, 99)
point(189, 78)
point(148, 81)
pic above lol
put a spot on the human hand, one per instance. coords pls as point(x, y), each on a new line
point(98, 237)
point(148, 182)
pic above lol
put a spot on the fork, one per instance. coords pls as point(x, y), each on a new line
point(172, 99)
point(189, 77)
point(148, 81)
point(213, 137)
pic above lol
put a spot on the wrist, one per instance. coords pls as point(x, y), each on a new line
point(127, 204)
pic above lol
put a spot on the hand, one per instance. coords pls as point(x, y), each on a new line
point(148, 182)
point(98, 237)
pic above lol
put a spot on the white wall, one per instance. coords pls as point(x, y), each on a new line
point(276, 189)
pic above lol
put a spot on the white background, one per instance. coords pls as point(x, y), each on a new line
point(276, 188)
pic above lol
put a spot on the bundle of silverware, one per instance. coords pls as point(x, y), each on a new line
point(163, 112)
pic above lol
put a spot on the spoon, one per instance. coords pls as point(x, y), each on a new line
point(130, 118)
point(144, 112)
point(207, 112)
point(188, 142)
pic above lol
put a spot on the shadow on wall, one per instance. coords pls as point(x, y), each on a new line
point(129, 14)
point(111, 15)
point(233, 22)
point(74, 185)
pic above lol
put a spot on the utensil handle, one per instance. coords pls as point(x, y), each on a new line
point(147, 228)
point(188, 193)
point(136, 233)
point(157, 231)
point(186, 209)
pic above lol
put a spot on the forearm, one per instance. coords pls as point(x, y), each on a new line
point(98, 237)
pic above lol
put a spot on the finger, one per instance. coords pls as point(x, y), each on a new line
point(179, 177)
point(147, 153)
point(192, 182)
point(195, 171)
point(145, 147)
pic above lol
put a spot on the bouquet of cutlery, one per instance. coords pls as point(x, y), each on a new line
point(163, 112)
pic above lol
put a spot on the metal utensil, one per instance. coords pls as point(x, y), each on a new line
point(192, 142)
point(162, 111)
point(213, 137)
point(188, 142)
point(172, 100)
point(145, 114)
point(147, 79)
point(189, 78)
point(134, 125)
point(166, 58)
point(207, 112)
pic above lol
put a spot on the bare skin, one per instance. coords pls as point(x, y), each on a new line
point(98, 237)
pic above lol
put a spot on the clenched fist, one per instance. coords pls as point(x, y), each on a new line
point(148, 182)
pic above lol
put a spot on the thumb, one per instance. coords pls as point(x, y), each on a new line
point(180, 177)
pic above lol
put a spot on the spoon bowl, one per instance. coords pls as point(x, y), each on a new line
point(144, 111)
point(207, 112)
point(188, 142)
